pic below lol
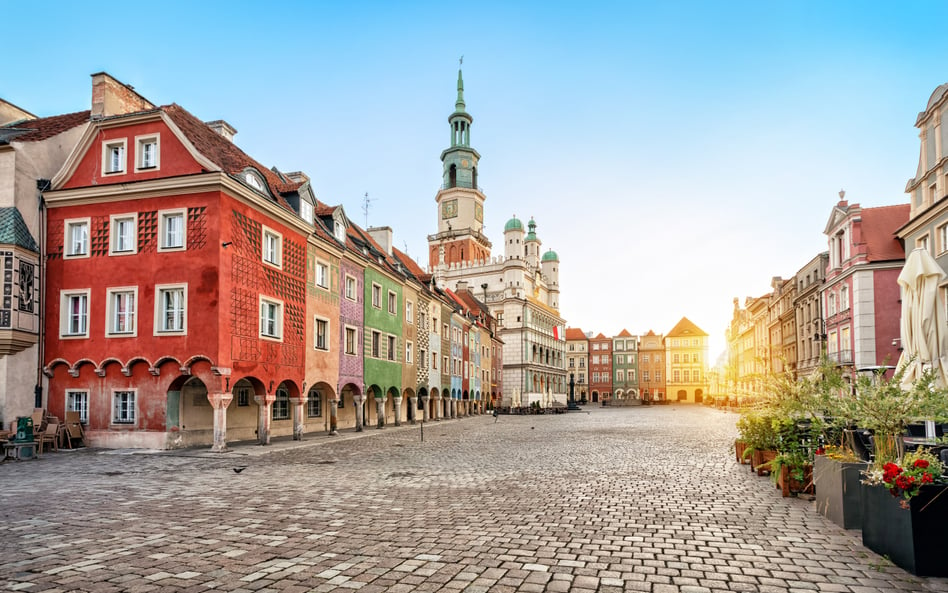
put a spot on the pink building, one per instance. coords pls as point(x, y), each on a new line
point(860, 297)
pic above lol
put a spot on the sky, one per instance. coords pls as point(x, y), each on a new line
point(675, 155)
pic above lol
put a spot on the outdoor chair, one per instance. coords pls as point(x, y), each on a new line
point(50, 437)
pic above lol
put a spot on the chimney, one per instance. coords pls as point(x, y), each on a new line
point(461, 286)
point(297, 176)
point(223, 128)
point(111, 97)
point(383, 236)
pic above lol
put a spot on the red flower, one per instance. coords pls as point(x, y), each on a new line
point(920, 463)
point(927, 478)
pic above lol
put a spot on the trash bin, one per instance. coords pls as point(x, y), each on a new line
point(24, 430)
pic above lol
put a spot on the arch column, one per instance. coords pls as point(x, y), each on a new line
point(220, 401)
point(333, 416)
point(424, 413)
point(298, 425)
point(380, 412)
point(412, 409)
point(358, 401)
point(398, 410)
point(264, 405)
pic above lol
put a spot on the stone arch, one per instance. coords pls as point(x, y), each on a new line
point(682, 395)
point(699, 396)
point(190, 415)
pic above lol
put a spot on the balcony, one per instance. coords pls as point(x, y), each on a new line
point(841, 357)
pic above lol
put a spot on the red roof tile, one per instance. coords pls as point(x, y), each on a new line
point(878, 231)
point(624, 334)
point(47, 127)
point(685, 328)
point(574, 333)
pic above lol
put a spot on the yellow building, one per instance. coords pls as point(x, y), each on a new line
point(686, 363)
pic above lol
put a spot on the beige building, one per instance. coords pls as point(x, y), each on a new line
point(686, 362)
point(808, 314)
point(577, 362)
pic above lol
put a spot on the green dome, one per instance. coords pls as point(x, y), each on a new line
point(550, 256)
point(513, 224)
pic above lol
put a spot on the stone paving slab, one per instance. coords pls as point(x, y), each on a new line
point(627, 499)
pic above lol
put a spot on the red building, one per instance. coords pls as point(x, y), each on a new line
point(600, 368)
point(176, 281)
point(860, 297)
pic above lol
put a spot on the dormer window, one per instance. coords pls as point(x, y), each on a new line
point(146, 152)
point(113, 156)
point(306, 211)
point(339, 230)
point(253, 180)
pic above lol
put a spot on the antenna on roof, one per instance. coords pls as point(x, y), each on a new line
point(365, 208)
point(405, 243)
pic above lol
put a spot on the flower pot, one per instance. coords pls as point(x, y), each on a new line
point(838, 490)
point(912, 538)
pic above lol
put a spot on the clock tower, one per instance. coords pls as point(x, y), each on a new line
point(460, 236)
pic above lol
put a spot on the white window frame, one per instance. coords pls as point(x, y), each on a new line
point(110, 166)
point(317, 323)
point(73, 223)
point(923, 242)
point(409, 311)
point(65, 298)
point(81, 395)
point(376, 351)
point(114, 235)
point(161, 312)
point(322, 274)
point(409, 358)
point(163, 217)
point(306, 211)
point(392, 302)
point(376, 296)
point(351, 288)
point(112, 320)
point(354, 332)
point(941, 233)
point(140, 143)
point(275, 305)
point(131, 412)
point(265, 247)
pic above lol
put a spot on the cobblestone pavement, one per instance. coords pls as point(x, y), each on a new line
point(626, 499)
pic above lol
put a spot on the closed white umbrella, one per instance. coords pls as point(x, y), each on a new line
point(924, 339)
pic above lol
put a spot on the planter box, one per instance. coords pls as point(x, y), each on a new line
point(912, 538)
point(839, 490)
point(760, 462)
point(788, 485)
point(739, 447)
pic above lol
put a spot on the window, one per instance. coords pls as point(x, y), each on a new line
point(409, 312)
point(281, 405)
point(444, 363)
point(685, 374)
point(658, 376)
point(171, 308)
point(350, 340)
point(444, 331)
point(620, 376)
point(272, 247)
point(408, 354)
point(595, 377)
point(322, 275)
point(121, 311)
point(113, 156)
point(123, 407)
point(321, 338)
point(78, 401)
point(350, 288)
point(675, 358)
point(77, 238)
point(123, 233)
point(376, 296)
point(171, 230)
point(242, 395)
point(942, 233)
point(146, 155)
point(306, 211)
point(271, 318)
point(391, 347)
point(676, 376)
point(694, 358)
point(645, 359)
point(434, 361)
point(392, 302)
point(422, 357)
point(844, 298)
point(376, 344)
point(314, 405)
point(645, 376)
point(922, 242)
point(74, 314)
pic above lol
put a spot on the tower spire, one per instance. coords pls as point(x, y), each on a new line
point(459, 106)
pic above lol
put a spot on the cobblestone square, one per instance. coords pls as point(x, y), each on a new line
point(629, 499)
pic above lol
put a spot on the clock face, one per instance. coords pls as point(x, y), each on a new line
point(449, 209)
point(464, 163)
point(479, 212)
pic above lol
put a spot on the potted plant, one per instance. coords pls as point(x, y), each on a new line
point(760, 438)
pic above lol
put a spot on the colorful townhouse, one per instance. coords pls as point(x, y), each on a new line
point(652, 367)
point(625, 364)
point(686, 362)
point(600, 368)
point(577, 363)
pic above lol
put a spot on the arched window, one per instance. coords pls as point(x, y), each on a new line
point(281, 406)
point(453, 176)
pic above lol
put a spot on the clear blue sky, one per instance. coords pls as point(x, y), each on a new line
point(674, 154)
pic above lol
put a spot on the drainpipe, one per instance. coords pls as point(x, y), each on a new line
point(41, 185)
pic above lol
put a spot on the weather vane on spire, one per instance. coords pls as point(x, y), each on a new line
point(461, 61)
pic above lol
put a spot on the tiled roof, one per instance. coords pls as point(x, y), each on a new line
point(599, 336)
point(13, 230)
point(224, 153)
point(685, 328)
point(410, 264)
point(575, 333)
point(878, 231)
point(42, 128)
point(624, 334)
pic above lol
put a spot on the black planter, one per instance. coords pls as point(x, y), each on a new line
point(838, 490)
point(912, 538)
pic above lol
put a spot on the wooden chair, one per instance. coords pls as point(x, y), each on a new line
point(73, 430)
point(49, 437)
